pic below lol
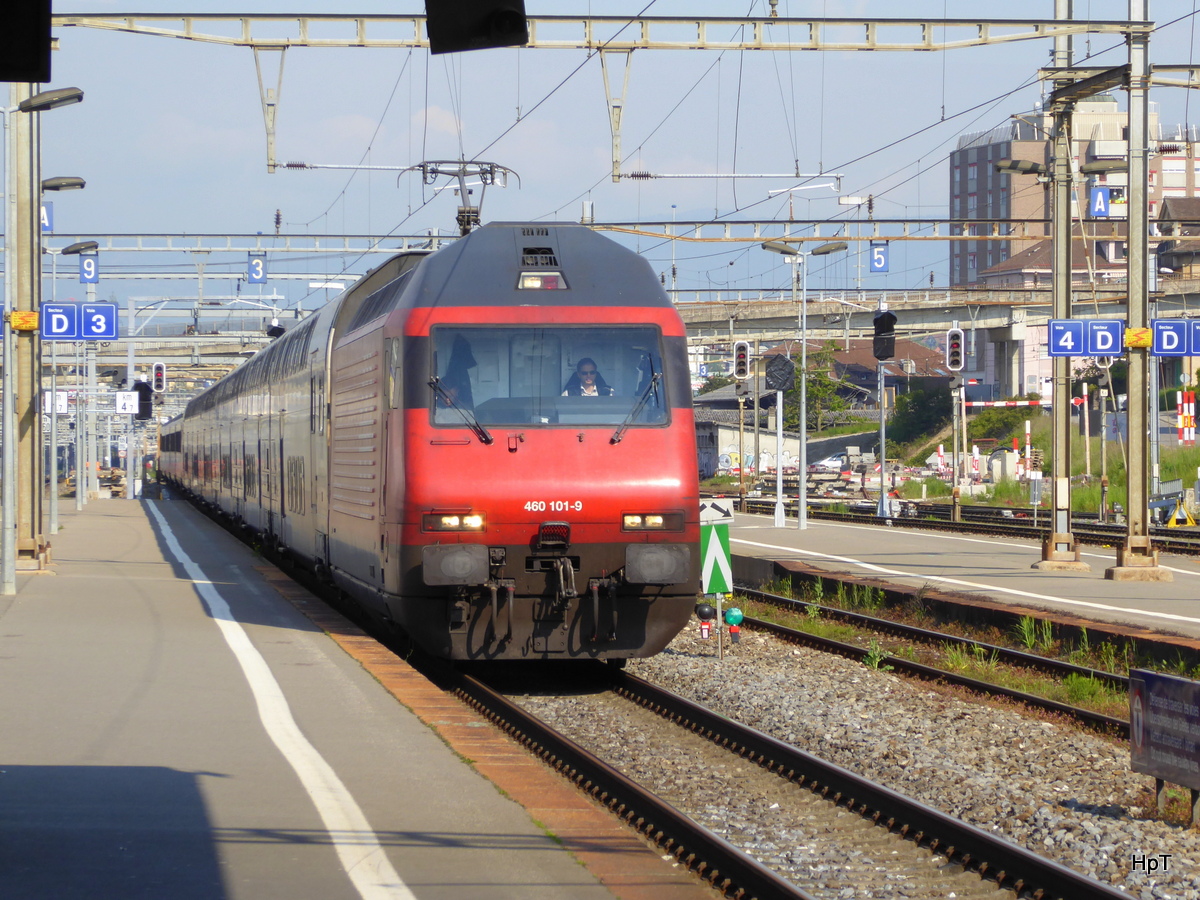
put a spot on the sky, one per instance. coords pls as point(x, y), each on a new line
point(170, 136)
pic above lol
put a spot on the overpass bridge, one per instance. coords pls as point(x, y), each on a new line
point(999, 318)
point(837, 315)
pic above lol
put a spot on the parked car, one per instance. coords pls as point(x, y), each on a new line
point(835, 464)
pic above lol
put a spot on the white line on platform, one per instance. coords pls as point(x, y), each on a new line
point(967, 540)
point(356, 843)
point(993, 543)
point(973, 585)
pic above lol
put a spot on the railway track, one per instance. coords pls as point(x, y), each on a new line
point(941, 855)
point(1059, 668)
point(886, 841)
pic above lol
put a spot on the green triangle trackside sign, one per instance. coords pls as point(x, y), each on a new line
point(716, 570)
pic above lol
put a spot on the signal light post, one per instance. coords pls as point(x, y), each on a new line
point(883, 347)
point(741, 360)
point(954, 349)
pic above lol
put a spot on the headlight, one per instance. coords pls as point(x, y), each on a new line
point(472, 521)
point(541, 281)
point(652, 522)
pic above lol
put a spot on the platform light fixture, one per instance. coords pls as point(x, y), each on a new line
point(1103, 166)
point(79, 247)
point(47, 100)
point(63, 183)
point(70, 250)
point(1021, 167)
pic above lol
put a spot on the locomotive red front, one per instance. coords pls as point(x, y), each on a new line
point(504, 466)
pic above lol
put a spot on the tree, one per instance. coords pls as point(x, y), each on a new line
point(923, 409)
point(823, 397)
point(715, 381)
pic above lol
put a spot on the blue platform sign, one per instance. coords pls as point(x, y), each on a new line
point(79, 321)
point(256, 267)
point(60, 321)
point(1170, 337)
point(47, 217)
point(1086, 337)
point(89, 268)
point(1175, 337)
point(879, 257)
point(1105, 337)
point(98, 322)
point(1164, 727)
point(1066, 337)
point(1100, 202)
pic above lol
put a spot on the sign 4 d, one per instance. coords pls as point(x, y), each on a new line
point(1086, 337)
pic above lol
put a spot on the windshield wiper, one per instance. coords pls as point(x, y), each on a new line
point(482, 433)
point(651, 386)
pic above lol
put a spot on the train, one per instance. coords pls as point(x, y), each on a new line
point(489, 447)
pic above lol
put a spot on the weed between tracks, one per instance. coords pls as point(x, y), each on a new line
point(1029, 634)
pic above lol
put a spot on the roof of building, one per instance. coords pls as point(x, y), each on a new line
point(1041, 255)
point(1182, 210)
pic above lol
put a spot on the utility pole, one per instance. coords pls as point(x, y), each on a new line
point(1060, 552)
point(1137, 560)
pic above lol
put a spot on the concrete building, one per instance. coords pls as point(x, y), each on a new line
point(981, 195)
point(1015, 358)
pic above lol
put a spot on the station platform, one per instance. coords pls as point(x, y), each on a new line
point(997, 570)
point(179, 720)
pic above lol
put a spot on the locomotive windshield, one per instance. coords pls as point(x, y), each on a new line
point(560, 375)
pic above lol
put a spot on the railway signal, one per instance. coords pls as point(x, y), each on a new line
point(158, 381)
point(954, 349)
point(884, 344)
point(145, 406)
point(741, 360)
point(475, 24)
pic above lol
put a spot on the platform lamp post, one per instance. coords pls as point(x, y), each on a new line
point(22, 230)
point(799, 262)
point(69, 250)
point(58, 183)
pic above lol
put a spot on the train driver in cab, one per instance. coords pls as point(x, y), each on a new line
point(587, 381)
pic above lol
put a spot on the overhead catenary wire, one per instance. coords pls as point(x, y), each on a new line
point(524, 114)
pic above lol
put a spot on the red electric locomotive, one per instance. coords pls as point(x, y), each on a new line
point(491, 447)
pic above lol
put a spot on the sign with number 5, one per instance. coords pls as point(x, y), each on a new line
point(879, 257)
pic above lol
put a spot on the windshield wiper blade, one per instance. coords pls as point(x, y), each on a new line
point(637, 408)
point(482, 433)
